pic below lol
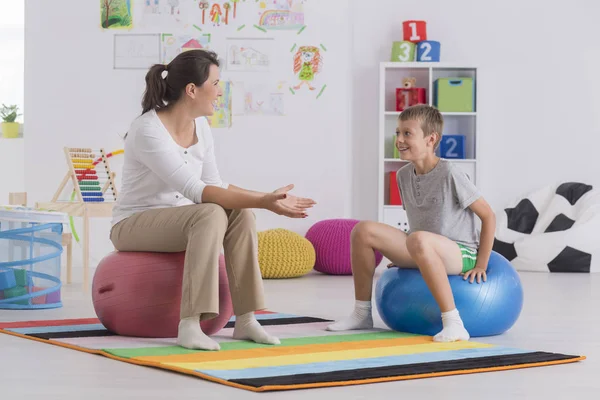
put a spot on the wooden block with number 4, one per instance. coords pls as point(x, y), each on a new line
point(428, 51)
point(415, 31)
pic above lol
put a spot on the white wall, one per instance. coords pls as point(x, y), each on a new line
point(75, 98)
point(12, 19)
point(538, 100)
point(539, 87)
point(12, 175)
point(12, 172)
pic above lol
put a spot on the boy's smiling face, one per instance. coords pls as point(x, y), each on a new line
point(411, 142)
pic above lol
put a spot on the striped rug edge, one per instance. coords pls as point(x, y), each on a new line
point(268, 388)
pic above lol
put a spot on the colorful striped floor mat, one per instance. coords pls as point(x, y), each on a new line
point(308, 357)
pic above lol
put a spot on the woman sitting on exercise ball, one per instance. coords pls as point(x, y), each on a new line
point(172, 199)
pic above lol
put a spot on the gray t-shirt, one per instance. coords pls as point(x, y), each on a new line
point(438, 202)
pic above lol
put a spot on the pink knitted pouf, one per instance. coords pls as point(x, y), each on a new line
point(331, 240)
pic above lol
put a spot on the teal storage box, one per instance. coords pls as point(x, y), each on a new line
point(454, 94)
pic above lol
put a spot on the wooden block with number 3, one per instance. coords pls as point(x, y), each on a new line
point(428, 51)
point(415, 31)
point(404, 51)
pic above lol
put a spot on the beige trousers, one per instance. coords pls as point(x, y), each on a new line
point(201, 230)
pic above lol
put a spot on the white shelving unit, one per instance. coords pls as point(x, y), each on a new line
point(455, 123)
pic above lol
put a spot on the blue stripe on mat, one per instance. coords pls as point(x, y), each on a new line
point(271, 316)
point(263, 372)
point(50, 329)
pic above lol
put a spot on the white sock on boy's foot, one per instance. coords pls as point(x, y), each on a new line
point(360, 318)
point(248, 328)
point(190, 336)
point(453, 328)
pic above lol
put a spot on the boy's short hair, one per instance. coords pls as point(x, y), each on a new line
point(430, 117)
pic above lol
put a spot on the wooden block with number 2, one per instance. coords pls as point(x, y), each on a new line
point(428, 50)
point(415, 31)
point(453, 146)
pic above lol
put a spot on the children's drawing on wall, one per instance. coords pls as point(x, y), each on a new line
point(115, 14)
point(254, 99)
point(281, 14)
point(308, 63)
point(249, 54)
point(217, 13)
point(222, 116)
point(165, 14)
point(172, 45)
point(162, 7)
point(136, 51)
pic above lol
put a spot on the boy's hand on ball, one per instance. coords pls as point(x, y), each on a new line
point(476, 273)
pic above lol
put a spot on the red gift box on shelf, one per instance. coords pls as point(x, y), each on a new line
point(406, 97)
point(395, 199)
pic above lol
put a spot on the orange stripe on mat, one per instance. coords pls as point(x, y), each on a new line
point(276, 351)
point(59, 322)
point(301, 386)
point(63, 322)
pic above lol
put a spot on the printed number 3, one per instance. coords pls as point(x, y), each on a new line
point(453, 144)
point(425, 56)
point(405, 52)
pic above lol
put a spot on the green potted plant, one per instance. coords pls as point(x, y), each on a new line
point(10, 128)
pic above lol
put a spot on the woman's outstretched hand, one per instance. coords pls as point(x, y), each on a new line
point(282, 203)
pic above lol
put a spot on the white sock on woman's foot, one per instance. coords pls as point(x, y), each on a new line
point(453, 328)
point(361, 318)
point(190, 336)
point(248, 328)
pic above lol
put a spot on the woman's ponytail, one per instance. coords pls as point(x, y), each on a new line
point(192, 66)
point(156, 89)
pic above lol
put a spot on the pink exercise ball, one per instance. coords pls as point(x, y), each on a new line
point(331, 240)
point(139, 293)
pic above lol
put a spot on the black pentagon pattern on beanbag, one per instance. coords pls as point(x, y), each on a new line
point(572, 191)
point(571, 260)
point(523, 217)
point(506, 249)
point(560, 223)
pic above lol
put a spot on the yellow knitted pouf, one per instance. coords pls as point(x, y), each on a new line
point(284, 254)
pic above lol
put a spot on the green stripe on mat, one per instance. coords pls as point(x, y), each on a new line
point(244, 345)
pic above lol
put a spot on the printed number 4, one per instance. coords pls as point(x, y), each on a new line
point(405, 54)
point(425, 56)
point(453, 144)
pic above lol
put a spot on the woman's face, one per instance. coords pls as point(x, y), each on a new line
point(206, 96)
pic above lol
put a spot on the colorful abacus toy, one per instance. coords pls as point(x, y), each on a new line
point(93, 194)
point(93, 174)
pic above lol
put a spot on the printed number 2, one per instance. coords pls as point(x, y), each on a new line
point(413, 28)
point(425, 56)
point(453, 144)
point(405, 54)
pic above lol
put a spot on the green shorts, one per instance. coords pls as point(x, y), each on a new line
point(469, 257)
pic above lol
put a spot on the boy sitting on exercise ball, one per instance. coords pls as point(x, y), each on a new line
point(441, 204)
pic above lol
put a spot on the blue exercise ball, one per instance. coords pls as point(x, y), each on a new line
point(488, 308)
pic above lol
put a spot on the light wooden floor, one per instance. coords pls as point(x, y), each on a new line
point(561, 314)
